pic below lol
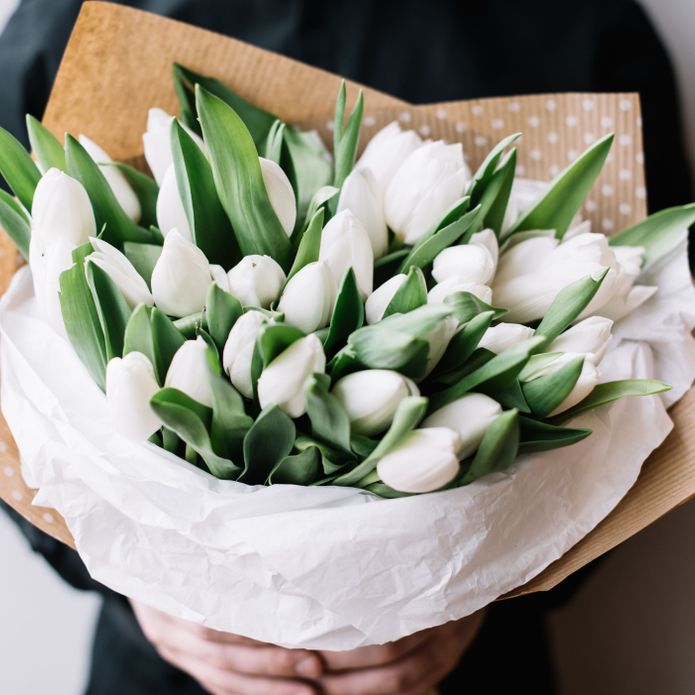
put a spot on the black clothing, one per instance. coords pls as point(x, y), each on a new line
point(420, 52)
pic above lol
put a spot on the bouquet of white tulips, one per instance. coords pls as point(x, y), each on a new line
point(272, 314)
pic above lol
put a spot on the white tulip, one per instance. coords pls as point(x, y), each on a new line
point(181, 277)
point(117, 266)
point(487, 239)
point(188, 371)
point(308, 298)
point(445, 289)
point(425, 186)
point(219, 276)
point(157, 142)
point(425, 460)
point(590, 336)
point(280, 193)
point(122, 190)
point(378, 301)
point(588, 378)
point(130, 385)
point(532, 273)
point(256, 280)
point(504, 336)
point(361, 196)
point(622, 305)
point(345, 244)
point(284, 380)
point(61, 220)
point(439, 338)
point(238, 350)
point(371, 397)
point(386, 151)
point(61, 211)
point(170, 211)
point(469, 416)
point(464, 263)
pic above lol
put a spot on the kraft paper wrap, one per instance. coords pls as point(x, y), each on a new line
point(118, 65)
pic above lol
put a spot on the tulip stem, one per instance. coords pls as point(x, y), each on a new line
point(190, 455)
point(188, 325)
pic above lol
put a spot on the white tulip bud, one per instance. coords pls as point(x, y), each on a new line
point(622, 305)
point(487, 239)
point(445, 289)
point(464, 263)
point(122, 190)
point(256, 280)
point(238, 350)
point(157, 142)
point(439, 338)
point(130, 385)
point(590, 336)
point(181, 277)
point(371, 398)
point(61, 220)
point(61, 211)
point(533, 272)
point(588, 378)
point(280, 193)
point(188, 371)
point(425, 186)
point(361, 196)
point(504, 336)
point(470, 416)
point(345, 244)
point(121, 271)
point(219, 276)
point(425, 460)
point(170, 211)
point(378, 301)
point(385, 153)
point(283, 381)
point(308, 298)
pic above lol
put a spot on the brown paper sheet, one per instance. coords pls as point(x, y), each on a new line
point(118, 65)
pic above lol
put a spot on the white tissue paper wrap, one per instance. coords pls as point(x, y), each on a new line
point(325, 567)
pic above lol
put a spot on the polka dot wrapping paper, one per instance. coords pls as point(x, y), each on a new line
point(105, 87)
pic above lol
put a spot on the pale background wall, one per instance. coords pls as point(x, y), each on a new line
point(630, 632)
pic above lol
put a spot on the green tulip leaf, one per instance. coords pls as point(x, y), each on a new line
point(18, 168)
point(606, 393)
point(221, 313)
point(297, 469)
point(309, 244)
point(466, 306)
point(464, 343)
point(14, 221)
point(486, 171)
point(189, 420)
point(542, 436)
point(46, 146)
point(497, 451)
point(112, 309)
point(268, 441)
point(109, 215)
point(567, 307)
point(496, 196)
point(144, 257)
point(328, 418)
point(273, 143)
point(348, 314)
point(138, 335)
point(557, 208)
point(166, 340)
point(145, 189)
point(239, 181)
point(546, 393)
point(658, 234)
point(346, 136)
point(410, 295)
point(80, 317)
point(206, 217)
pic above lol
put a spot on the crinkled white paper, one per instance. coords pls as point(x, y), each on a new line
point(325, 567)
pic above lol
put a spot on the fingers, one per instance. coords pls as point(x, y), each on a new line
point(365, 657)
point(413, 672)
point(223, 682)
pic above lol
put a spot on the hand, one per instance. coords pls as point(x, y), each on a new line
point(227, 664)
point(411, 666)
